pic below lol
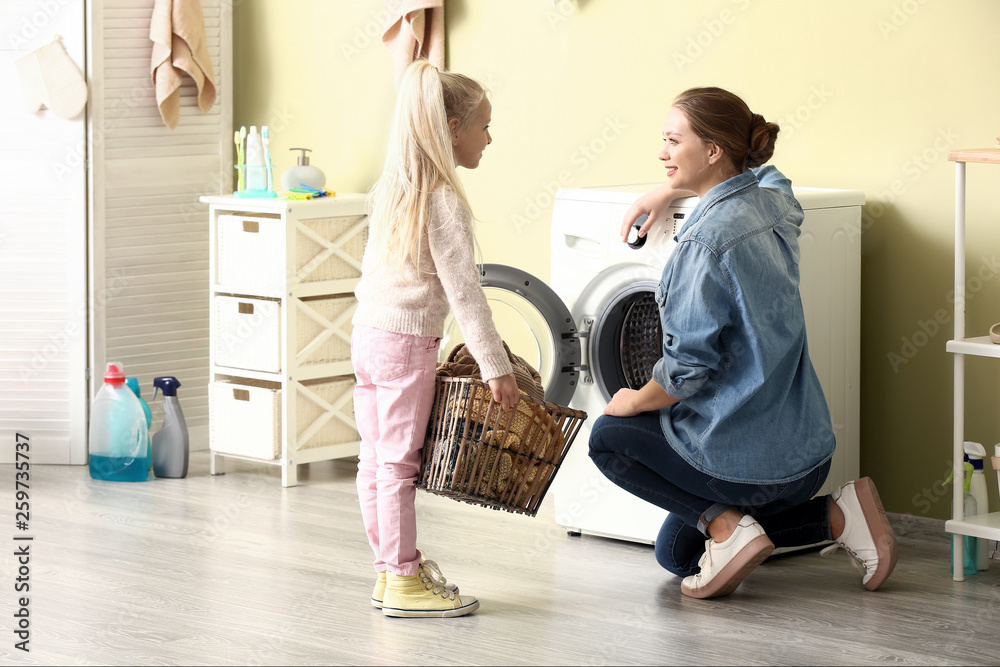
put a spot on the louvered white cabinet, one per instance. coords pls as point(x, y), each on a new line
point(149, 242)
point(103, 240)
point(282, 281)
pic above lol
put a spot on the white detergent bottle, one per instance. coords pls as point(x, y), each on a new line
point(170, 444)
point(975, 453)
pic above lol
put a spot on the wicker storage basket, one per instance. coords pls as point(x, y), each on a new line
point(477, 453)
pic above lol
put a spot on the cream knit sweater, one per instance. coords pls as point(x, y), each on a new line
point(417, 302)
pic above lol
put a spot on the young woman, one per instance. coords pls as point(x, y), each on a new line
point(733, 435)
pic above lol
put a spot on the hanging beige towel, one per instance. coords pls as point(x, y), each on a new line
point(414, 29)
point(177, 29)
point(50, 79)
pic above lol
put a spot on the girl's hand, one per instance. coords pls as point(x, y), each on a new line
point(623, 404)
point(505, 391)
point(653, 203)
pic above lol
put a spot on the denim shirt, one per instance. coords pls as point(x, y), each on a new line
point(751, 407)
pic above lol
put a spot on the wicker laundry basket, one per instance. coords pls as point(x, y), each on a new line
point(477, 453)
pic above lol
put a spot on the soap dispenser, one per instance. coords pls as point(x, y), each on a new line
point(302, 173)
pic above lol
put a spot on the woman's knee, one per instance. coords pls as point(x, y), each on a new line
point(606, 436)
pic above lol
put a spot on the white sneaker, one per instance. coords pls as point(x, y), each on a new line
point(867, 535)
point(725, 565)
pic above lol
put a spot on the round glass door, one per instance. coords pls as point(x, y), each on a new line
point(535, 324)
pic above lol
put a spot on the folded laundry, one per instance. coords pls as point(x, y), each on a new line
point(461, 363)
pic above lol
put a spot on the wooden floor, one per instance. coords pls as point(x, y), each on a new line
point(235, 570)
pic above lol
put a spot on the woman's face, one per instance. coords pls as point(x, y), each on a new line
point(691, 163)
point(470, 142)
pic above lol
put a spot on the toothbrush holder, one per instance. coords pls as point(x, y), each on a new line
point(249, 173)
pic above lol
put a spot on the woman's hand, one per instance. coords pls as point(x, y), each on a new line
point(630, 402)
point(505, 391)
point(623, 404)
point(652, 204)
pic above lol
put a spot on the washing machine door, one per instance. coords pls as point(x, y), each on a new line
point(625, 341)
point(534, 322)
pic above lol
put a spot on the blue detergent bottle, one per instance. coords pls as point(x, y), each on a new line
point(133, 384)
point(119, 436)
point(970, 545)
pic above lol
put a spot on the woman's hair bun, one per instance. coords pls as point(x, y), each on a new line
point(762, 137)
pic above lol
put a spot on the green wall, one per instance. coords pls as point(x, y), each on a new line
point(870, 94)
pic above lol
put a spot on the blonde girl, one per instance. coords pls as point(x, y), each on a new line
point(418, 264)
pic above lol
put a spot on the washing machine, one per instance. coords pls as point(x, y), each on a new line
point(595, 328)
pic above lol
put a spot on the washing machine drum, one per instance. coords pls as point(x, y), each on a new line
point(626, 340)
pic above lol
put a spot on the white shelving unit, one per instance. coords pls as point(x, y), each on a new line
point(282, 290)
point(984, 526)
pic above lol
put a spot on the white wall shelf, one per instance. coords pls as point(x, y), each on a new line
point(282, 287)
point(984, 526)
point(980, 346)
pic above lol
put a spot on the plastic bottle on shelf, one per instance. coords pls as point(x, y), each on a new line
point(970, 545)
point(256, 170)
point(996, 461)
point(170, 444)
point(974, 454)
point(119, 436)
point(133, 384)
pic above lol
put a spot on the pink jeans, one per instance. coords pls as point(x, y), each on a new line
point(392, 405)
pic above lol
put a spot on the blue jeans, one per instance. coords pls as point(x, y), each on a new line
point(633, 453)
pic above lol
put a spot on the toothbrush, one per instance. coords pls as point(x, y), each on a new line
point(243, 154)
point(239, 161)
point(267, 157)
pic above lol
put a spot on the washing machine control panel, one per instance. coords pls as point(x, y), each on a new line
point(661, 235)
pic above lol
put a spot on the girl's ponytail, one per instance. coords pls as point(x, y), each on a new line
point(419, 158)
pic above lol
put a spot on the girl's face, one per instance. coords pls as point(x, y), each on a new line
point(691, 163)
point(470, 142)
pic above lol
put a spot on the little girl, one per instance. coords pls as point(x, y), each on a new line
point(419, 261)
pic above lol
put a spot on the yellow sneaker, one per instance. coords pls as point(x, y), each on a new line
point(379, 591)
point(424, 594)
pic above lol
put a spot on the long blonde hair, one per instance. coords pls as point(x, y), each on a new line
point(420, 157)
